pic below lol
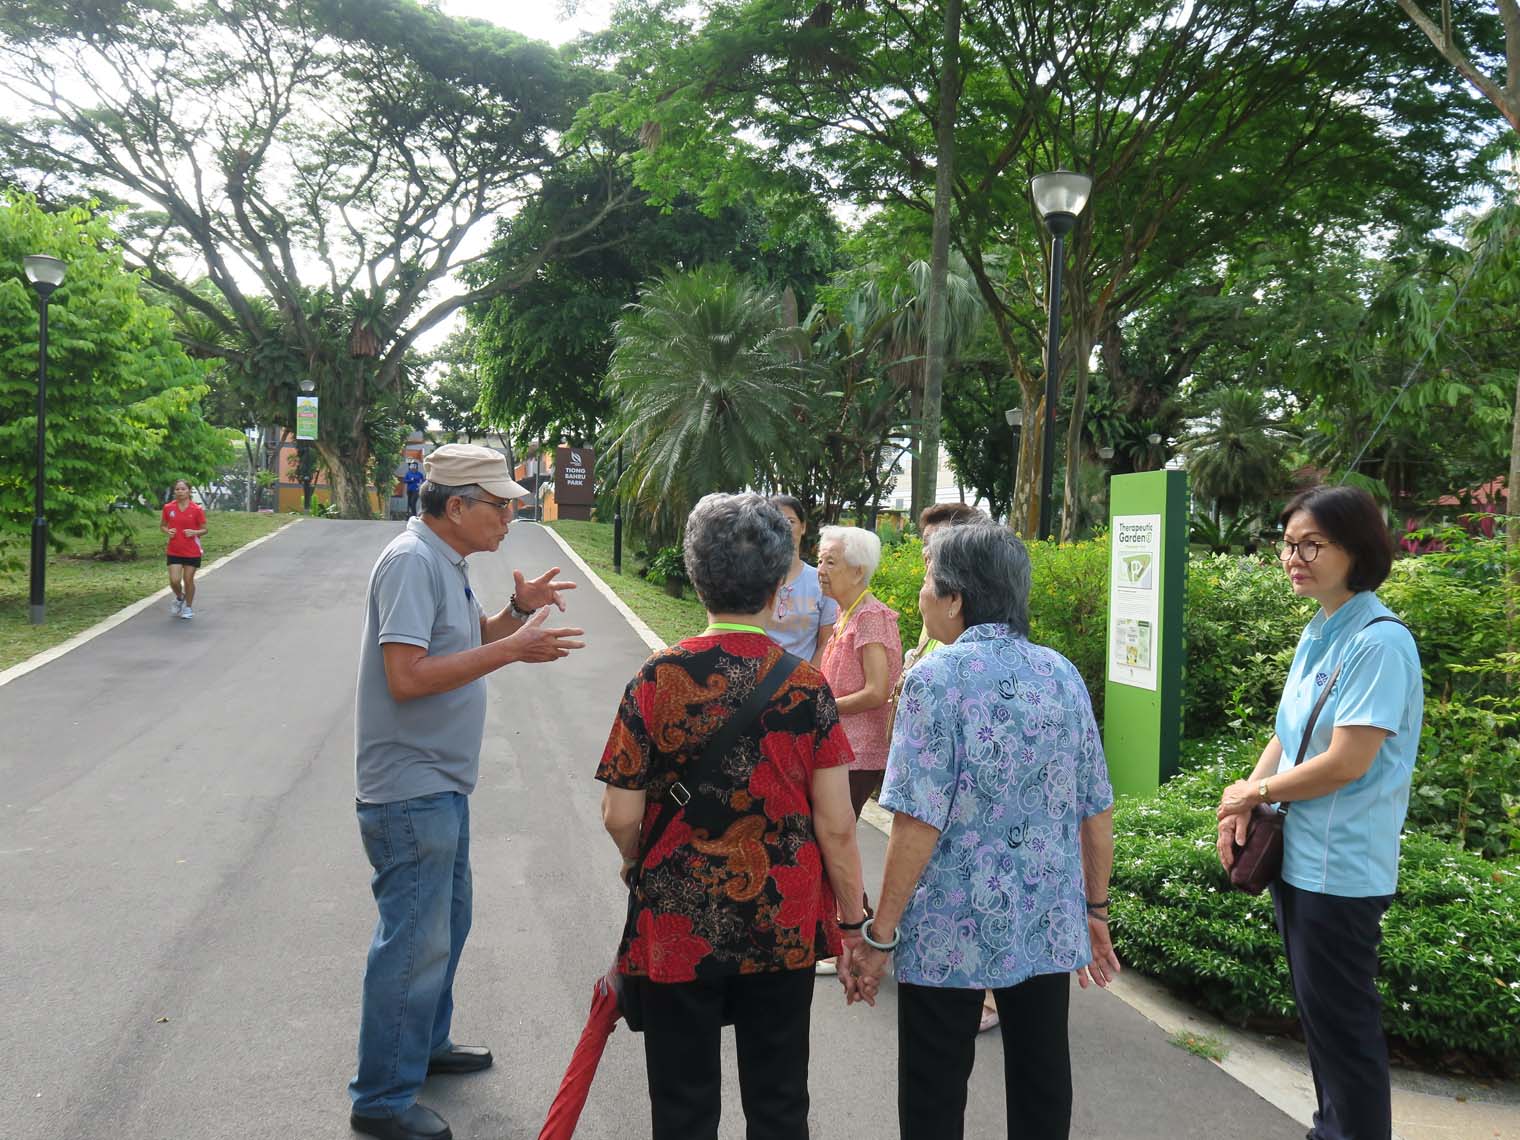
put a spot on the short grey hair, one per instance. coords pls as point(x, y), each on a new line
point(738, 549)
point(988, 567)
point(861, 547)
point(434, 498)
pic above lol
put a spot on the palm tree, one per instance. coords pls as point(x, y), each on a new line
point(1235, 454)
point(705, 389)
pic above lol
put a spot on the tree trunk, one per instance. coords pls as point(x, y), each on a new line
point(1024, 518)
point(939, 259)
point(350, 483)
point(1081, 350)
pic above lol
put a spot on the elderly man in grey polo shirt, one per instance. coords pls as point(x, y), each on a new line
point(420, 717)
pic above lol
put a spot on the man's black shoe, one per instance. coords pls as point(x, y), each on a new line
point(417, 1123)
point(461, 1059)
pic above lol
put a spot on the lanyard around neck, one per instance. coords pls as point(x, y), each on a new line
point(845, 620)
point(734, 627)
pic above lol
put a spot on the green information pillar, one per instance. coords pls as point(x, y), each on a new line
point(1142, 718)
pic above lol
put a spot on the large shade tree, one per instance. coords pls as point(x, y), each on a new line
point(1204, 128)
point(332, 156)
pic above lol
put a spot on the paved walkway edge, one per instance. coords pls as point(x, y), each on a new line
point(38, 660)
point(640, 627)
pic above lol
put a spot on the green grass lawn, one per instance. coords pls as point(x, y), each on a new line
point(82, 590)
point(671, 618)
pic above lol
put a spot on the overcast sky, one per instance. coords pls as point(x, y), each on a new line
point(540, 19)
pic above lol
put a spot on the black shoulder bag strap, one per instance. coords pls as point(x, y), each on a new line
point(1303, 744)
point(678, 795)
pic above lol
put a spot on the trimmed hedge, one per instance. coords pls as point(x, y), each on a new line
point(1451, 946)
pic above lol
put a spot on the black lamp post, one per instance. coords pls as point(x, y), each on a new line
point(1015, 418)
point(617, 516)
point(1059, 197)
point(46, 274)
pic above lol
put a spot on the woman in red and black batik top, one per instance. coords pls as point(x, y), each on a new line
point(736, 900)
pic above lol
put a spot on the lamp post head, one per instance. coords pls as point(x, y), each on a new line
point(1153, 439)
point(308, 386)
point(1059, 197)
point(1015, 417)
point(1105, 453)
point(44, 272)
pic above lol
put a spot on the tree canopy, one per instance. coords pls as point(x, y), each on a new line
point(325, 161)
point(123, 420)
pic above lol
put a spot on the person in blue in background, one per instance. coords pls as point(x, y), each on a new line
point(802, 619)
point(413, 479)
point(1348, 798)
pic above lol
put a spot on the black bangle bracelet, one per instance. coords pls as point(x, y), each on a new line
point(853, 925)
point(1091, 917)
point(519, 614)
point(1098, 905)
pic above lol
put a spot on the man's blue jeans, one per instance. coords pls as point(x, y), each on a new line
point(420, 852)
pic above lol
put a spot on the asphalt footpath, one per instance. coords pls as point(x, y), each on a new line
point(185, 910)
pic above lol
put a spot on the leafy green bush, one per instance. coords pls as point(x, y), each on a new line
point(897, 582)
point(1451, 946)
point(1455, 601)
point(1241, 623)
point(667, 565)
point(1068, 606)
point(1467, 780)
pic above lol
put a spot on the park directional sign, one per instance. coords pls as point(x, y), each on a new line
point(1142, 717)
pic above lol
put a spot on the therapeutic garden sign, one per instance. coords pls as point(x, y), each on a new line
point(1142, 719)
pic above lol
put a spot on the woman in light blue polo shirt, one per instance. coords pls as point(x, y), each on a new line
point(802, 619)
point(1347, 798)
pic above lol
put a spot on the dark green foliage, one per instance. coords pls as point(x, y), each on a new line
point(1451, 973)
point(123, 420)
point(1241, 623)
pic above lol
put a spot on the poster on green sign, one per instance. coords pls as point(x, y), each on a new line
point(1134, 602)
point(306, 417)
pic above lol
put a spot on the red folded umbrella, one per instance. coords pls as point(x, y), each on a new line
point(565, 1112)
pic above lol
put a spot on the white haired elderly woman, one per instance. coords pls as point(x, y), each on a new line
point(1002, 841)
point(735, 901)
point(863, 659)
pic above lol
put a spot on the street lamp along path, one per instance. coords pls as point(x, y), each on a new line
point(1059, 197)
point(46, 274)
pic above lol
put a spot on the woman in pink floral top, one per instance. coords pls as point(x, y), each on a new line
point(861, 662)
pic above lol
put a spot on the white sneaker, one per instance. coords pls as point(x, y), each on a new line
point(187, 613)
point(179, 604)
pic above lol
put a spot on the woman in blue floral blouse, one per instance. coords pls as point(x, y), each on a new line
point(997, 868)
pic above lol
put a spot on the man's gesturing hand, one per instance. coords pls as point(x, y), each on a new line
point(536, 642)
point(533, 593)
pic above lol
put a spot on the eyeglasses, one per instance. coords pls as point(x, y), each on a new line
point(1308, 549)
point(503, 506)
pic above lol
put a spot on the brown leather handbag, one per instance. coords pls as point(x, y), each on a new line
point(1259, 860)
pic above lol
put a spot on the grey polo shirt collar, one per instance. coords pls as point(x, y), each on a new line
point(421, 529)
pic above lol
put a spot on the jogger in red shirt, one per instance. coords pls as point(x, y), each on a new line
point(184, 522)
